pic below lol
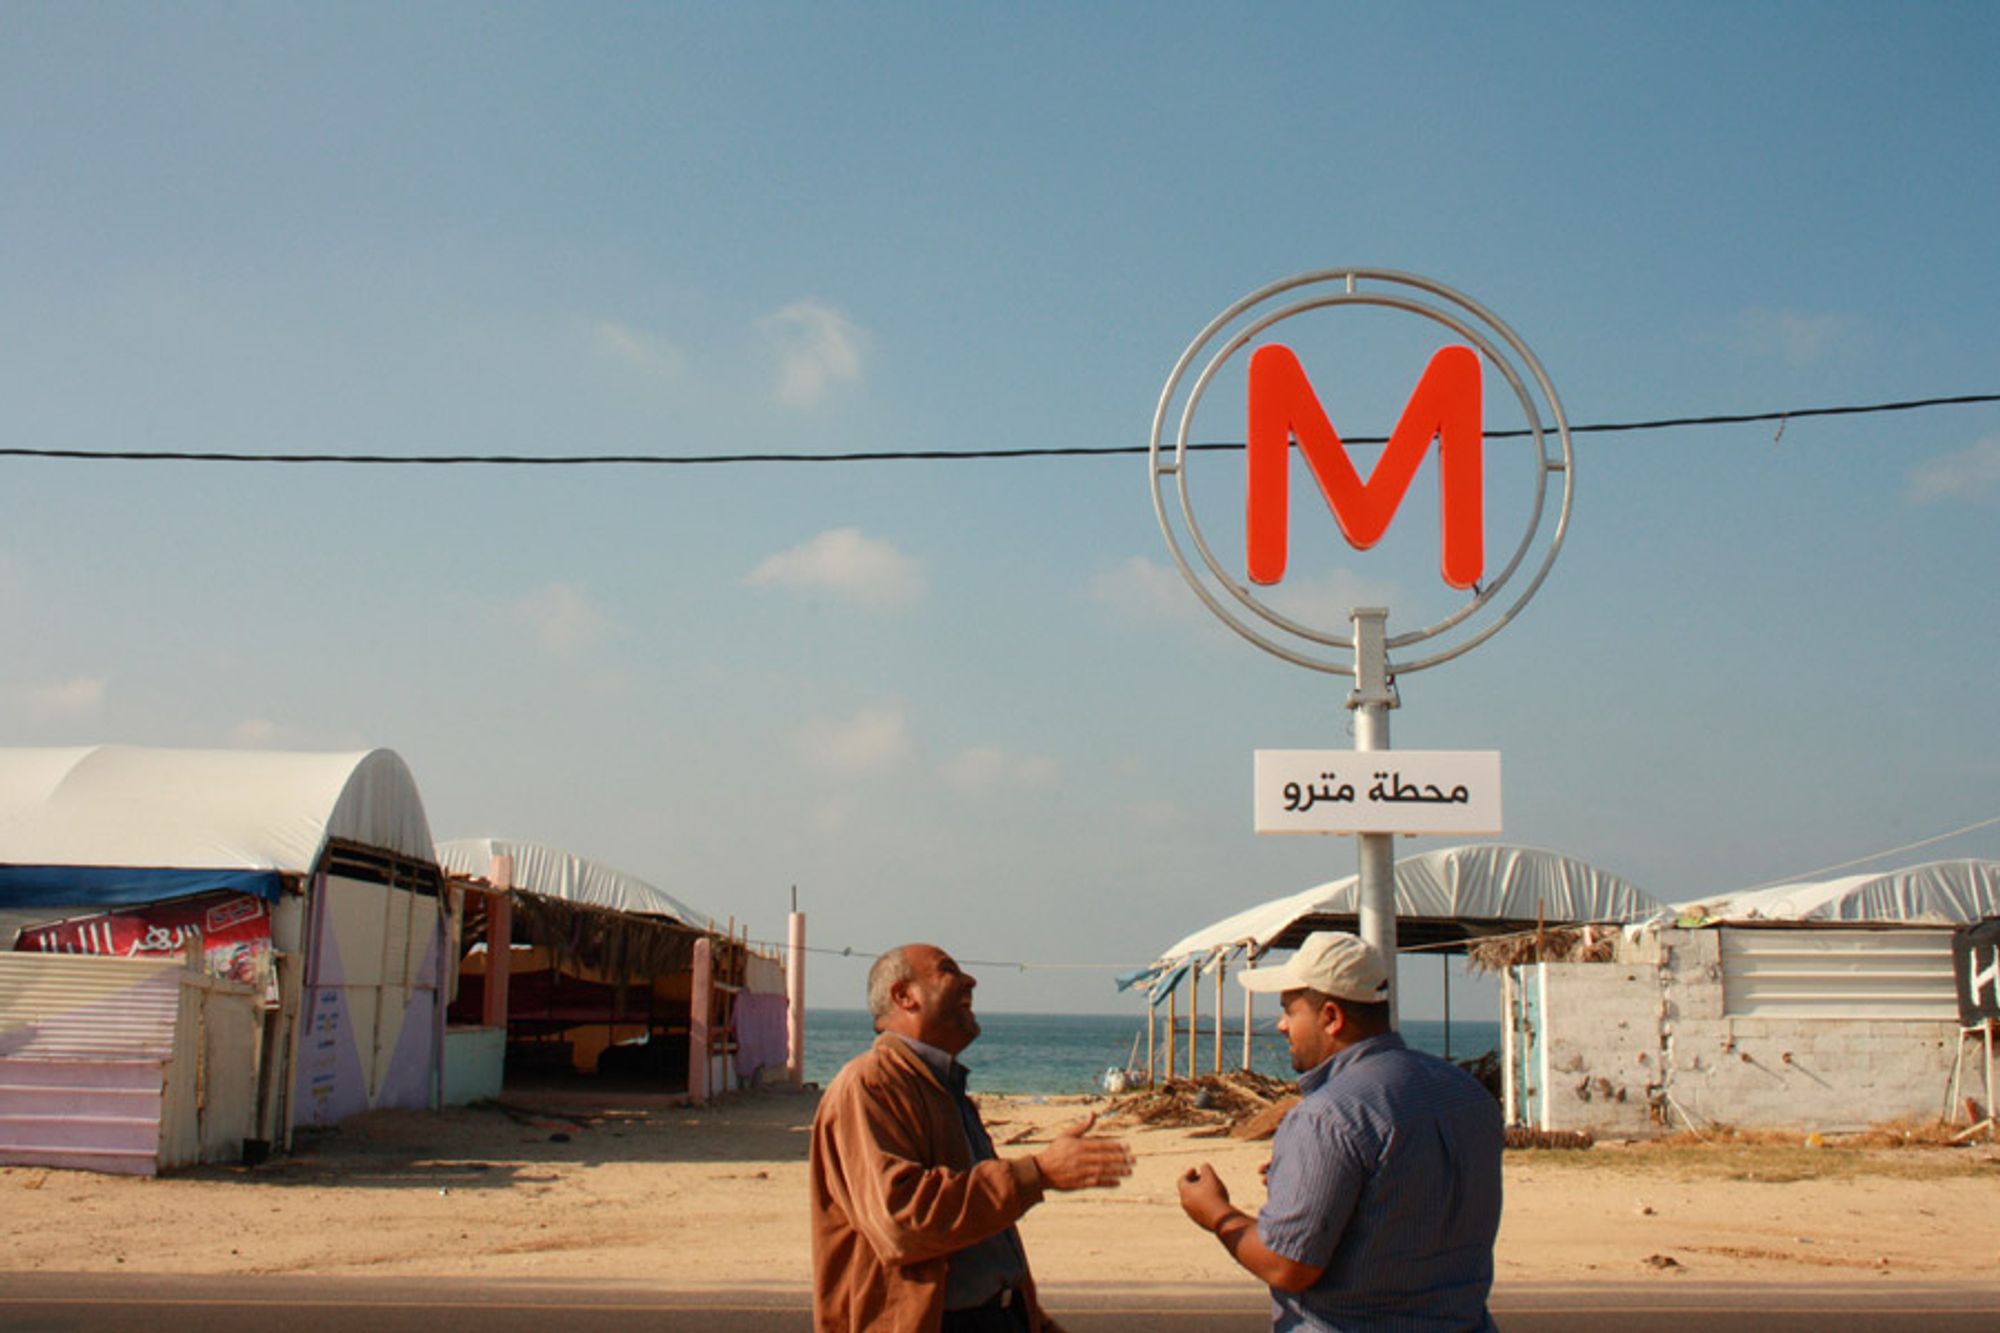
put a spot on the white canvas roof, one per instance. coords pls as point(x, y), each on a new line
point(267, 810)
point(555, 873)
point(1488, 885)
point(1950, 893)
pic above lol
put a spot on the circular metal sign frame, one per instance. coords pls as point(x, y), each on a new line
point(1229, 332)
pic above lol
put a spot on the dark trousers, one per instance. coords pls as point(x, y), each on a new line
point(1005, 1313)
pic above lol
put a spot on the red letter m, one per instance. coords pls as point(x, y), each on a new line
point(1444, 407)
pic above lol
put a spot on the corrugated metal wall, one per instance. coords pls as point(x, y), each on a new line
point(1837, 974)
point(84, 1048)
point(127, 1065)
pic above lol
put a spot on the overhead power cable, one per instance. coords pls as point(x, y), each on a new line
point(870, 955)
point(914, 455)
point(1802, 877)
point(1808, 875)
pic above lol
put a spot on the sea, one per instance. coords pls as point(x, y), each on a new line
point(1058, 1054)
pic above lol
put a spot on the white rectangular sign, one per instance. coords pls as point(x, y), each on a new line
point(1378, 791)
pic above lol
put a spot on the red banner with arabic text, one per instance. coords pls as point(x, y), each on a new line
point(231, 930)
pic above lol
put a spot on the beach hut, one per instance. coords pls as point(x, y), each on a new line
point(1445, 900)
point(578, 968)
point(295, 894)
point(1823, 1005)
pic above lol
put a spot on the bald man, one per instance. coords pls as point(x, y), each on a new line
point(912, 1210)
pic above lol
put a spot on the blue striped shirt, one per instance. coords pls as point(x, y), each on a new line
point(1387, 1175)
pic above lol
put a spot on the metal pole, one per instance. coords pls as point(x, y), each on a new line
point(1374, 694)
point(1993, 1113)
point(1447, 1004)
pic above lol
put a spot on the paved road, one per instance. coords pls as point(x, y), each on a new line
point(102, 1303)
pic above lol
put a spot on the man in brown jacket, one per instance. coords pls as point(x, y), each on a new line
point(912, 1210)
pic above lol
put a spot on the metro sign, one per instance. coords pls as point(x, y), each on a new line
point(1445, 407)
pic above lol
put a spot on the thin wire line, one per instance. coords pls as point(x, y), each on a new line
point(870, 955)
point(911, 455)
point(1789, 879)
point(1800, 877)
point(1805, 875)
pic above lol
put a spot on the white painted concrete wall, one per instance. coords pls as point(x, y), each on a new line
point(1602, 1036)
point(1646, 1045)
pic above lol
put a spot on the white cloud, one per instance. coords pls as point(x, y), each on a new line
point(1793, 336)
point(77, 697)
point(874, 740)
point(1968, 474)
point(982, 769)
point(834, 814)
point(817, 347)
point(609, 681)
point(842, 560)
point(1157, 816)
point(253, 732)
point(560, 619)
point(1327, 601)
point(647, 351)
point(1144, 589)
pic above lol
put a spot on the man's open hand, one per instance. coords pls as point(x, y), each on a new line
point(1073, 1162)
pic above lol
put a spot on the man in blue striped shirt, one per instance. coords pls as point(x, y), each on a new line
point(1384, 1181)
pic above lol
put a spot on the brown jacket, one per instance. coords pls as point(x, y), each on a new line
point(895, 1193)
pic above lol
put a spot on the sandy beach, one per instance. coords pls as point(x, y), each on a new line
point(714, 1198)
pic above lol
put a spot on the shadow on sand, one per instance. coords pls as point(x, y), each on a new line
point(523, 1136)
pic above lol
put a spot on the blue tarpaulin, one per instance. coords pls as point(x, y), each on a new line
point(125, 886)
point(1169, 979)
point(1127, 980)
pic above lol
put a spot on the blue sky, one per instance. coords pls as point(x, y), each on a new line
point(970, 701)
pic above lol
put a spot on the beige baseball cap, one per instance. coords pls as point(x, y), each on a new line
point(1331, 962)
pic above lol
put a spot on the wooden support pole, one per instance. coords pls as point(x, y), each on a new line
point(1248, 995)
point(1173, 1028)
point(795, 995)
point(499, 942)
point(1221, 971)
point(701, 1000)
point(1152, 1021)
point(1194, 1014)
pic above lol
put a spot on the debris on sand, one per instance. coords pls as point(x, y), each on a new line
point(1518, 1137)
point(1223, 1102)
